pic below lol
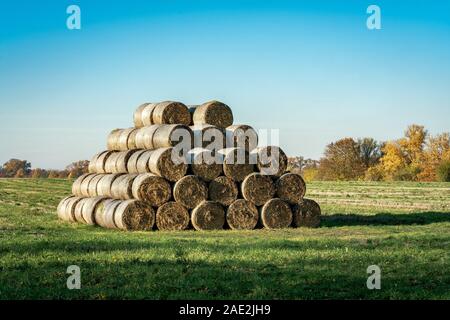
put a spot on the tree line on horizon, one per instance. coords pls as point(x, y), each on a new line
point(417, 156)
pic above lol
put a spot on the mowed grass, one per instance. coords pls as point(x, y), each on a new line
point(404, 228)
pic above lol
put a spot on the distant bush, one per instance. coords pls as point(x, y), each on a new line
point(443, 171)
point(374, 174)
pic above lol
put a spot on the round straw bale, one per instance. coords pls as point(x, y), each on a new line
point(110, 163)
point(104, 213)
point(190, 191)
point(124, 137)
point(276, 214)
point(152, 189)
point(100, 163)
point(113, 139)
point(134, 215)
point(236, 163)
point(166, 163)
point(105, 184)
point(291, 187)
point(137, 116)
point(93, 185)
point(93, 163)
point(172, 216)
point(131, 144)
point(61, 209)
point(208, 136)
point(169, 135)
point(88, 210)
point(306, 214)
point(142, 162)
point(70, 209)
point(241, 136)
point(144, 137)
point(78, 210)
point(171, 112)
point(147, 114)
point(84, 188)
point(122, 187)
point(215, 113)
point(242, 214)
point(122, 161)
point(100, 213)
point(258, 188)
point(208, 215)
point(133, 161)
point(223, 190)
point(76, 186)
point(204, 164)
point(270, 160)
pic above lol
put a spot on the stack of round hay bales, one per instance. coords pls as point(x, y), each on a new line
point(181, 168)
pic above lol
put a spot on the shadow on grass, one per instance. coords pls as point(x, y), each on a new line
point(420, 218)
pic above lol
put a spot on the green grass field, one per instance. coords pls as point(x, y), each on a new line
point(404, 228)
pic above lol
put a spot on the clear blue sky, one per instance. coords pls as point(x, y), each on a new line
point(309, 68)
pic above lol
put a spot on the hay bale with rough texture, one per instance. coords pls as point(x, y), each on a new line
point(190, 191)
point(270, 160)
point(134, 215)
point(236, 163)
point(100, 163)
point(142, 162)
point(113, 139)
point(78, 210)
point(61, 209)
point(144, 137)
point(208, 215)
point(110, 163)
point(242, 215)
point(131, 143)
point(241, 136)
point(137, 116)
point(122, 187)
point(171, 112)
point(122, 161)
point(172, 216)
point(76, 186)
point(204, 164)
point(93, 185)
point(152, 189)
point(104, 213)
point(84, 187)
point(166, 163)
point(100, 212)
point(123, 139)
point(133, 161)
point(223, 190)
point(169, 135)
point(276, 214)
point(92, 168)
point(258, 188)
point(208, 136)
point(88, 210)
point(147, 114)
point(105, 184)
point(71, 209)
point(290, 187)
point(306, 214)
point(213, 112)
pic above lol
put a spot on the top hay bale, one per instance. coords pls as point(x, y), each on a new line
point(215, 113)
point(166, 112)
